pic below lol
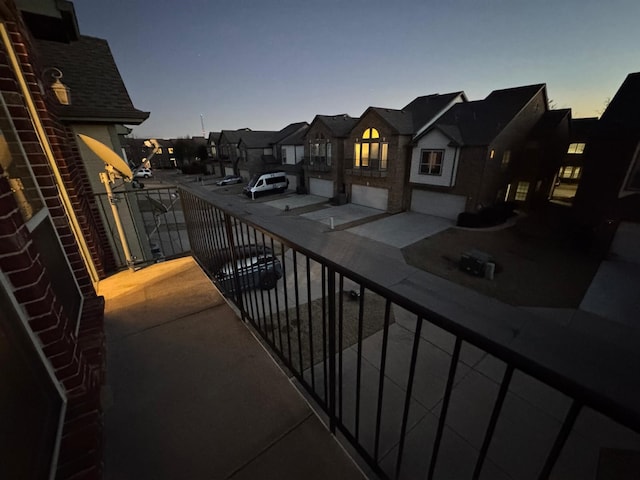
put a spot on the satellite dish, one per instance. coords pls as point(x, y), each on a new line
point(108, 156)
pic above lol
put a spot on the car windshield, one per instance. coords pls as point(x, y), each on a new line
point(254, 180)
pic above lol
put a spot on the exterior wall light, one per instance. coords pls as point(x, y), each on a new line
point(60, 90)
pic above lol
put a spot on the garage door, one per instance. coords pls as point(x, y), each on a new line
point(322, 188)
point(370, 196)
point(439, 204)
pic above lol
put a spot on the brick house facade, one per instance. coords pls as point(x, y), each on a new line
point(324, 154)
point(52, 251)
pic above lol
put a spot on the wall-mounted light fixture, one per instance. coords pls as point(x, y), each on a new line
point(60, 90)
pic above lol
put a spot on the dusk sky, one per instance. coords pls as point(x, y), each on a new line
point(265, 64)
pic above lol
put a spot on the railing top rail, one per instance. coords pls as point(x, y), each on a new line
point(596, 362)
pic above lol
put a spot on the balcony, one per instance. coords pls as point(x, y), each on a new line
point(317, 164)
point(416, 376)
point(192, 394)
point(370, 171)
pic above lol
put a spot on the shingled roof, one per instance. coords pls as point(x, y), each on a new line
point(258, 138)
point(417, 113)
point(98, 93)
point(297, 137)
point(232, 136)
point(339, 125)
point(479, 122)
point(624, 108)
point(290, 130)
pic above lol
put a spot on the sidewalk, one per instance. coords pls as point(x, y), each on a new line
point(192, 394)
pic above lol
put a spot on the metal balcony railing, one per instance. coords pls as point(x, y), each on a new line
point(153, 222)
point(401, 382)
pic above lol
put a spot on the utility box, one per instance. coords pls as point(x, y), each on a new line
point(475, 262)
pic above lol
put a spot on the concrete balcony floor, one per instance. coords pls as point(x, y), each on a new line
point(192, 394)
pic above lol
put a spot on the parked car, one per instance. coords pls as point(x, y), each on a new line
point(259, 271)
point(143, 173)
point(229, 180)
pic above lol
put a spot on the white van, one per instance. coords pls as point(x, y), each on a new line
point(263, 183)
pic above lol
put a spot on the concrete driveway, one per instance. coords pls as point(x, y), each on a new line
point(402, 229)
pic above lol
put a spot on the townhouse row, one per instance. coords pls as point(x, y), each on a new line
point(443, 154)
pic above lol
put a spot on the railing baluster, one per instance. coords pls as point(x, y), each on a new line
point(495, 415)
point(446, 399)
point(286, 302)
point(383, 363)
point(275, 291)
point(340, 347)
point(312, 366)
point(561, 439)
point(407, 399)
point(299, 325)
point(359, 360)
point(324, 331)
point(332, 349)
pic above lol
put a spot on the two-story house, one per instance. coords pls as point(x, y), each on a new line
point(461, 161)
point(569, 172)
point(229, 151)
point(324, 154)
point(289, 150)
point(380, 142)
point(609, 191)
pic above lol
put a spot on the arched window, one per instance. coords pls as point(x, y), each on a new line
point(370, 152)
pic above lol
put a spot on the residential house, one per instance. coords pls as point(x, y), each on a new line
point(289, 149)
point(608, 196)
point(569, 172)
point(381, 144)
point(324, 154)
point(256, 152)
point(542, 156)
point(229, 151)
point(213, 141)
point(98, 106)
point(138, 152)
point(52, 245)
point(462, 161)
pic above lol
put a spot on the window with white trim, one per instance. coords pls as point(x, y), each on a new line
point(431, 162)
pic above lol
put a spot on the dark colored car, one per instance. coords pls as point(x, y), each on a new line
point(259, 271)
point(229, 180)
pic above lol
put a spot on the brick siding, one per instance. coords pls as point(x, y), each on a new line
point(77, 361)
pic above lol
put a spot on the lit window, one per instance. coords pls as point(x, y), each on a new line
point(431, 162)
point(492, 154)
point(370, 152)
point(576, 172)
point(170, 150)
point(506, 158)
point(159, 151)
point(522, 190)
point(383, 158)
point(576, 148)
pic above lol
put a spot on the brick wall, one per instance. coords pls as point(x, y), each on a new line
point(76, 360)
point(396, 175)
